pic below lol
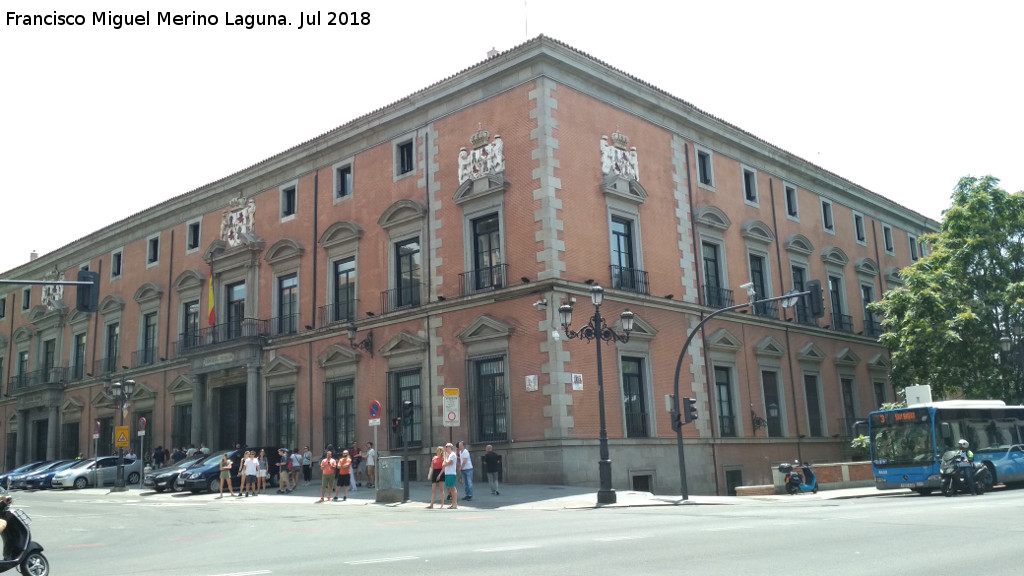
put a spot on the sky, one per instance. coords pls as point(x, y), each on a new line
point(99, 123)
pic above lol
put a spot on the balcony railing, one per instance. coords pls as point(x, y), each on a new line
point(241, 330)
point(716, 297)
point(284, 325)
point(872, 327)
point(408, 296)
point(766, 309)
point(340, 312)
point(631, 279)
point(490, 278)
point(105, 366)
point(842, 322)
point(76, 371)
point(29, 380)
point(143, 357)
point(727, 426)
point(636, 425)
point(803, 314)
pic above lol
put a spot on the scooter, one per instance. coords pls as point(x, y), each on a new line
point(20, 551)
point(797, 482)
point(954, 472)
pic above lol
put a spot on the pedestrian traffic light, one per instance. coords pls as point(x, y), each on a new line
point(87, 297)
point(407, 412)
point(677, 421)
point(396, 424)
point(815, 301)
point(689, 410)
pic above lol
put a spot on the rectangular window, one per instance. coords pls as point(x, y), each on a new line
point(813, 396)
point(406, 386)
point(887, 236)
point(803, 313)
point(772, 403)
point(288, 304)
point(343, 304)
point(340, 425)
point(181, 419)
point(913, 247)
point(488, 271)
point(759, 277)
point(343, 181)
point(879, 394)
point(625, 276)
point(23, 367)
point(192, 238)
point(705, 171)
point(840, 320)
point(153, 250)
point(715, 295)
point(288, 201)
point(634, 398)
point(404, 161)
point(723, 398)
point(115, 264)
point(749, 185)
point(3, 307)
point(489, 400)
point(792, 206)
point(26, 298)
point(235, 309)
point(148, 355)
point(849, 409)
point(858, 227)
point(78, 357)
point(110, 359)
point(407, 273)
point(282, 418)
point(871, 326)
point(190, 324)
point(826, 216)
point(69, 440)
point(49, 358)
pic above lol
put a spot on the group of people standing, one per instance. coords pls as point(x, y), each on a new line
point(451, 465)
point(342, 473)
point(253, 470)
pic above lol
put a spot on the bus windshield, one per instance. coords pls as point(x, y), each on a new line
point(902, 438)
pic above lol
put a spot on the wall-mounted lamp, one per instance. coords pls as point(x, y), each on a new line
point(366, 344)
point(758, 422)
point(541, 304)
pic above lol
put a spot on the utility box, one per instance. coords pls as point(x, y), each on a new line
point(388, 482)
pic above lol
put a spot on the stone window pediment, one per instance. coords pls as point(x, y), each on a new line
point(769, 346)
point(112, 304)
point(846, 357)
point(757, 231)
point(226, 257)
point(71, 408)
point(712, 217)
point(188, 280)
point(24, 334)
point(642, 330)
point(892, 276)
point(834, 255)
point(623, 188)
point(880, 363)
point(401, 213)
point(485, 328)
point(284, 250)
point(810, 353)
point(281, 366)
point(337, 355)
point(76, 317)
point(404, 343)
point(341, 233)
point(478, 188)
point(46, 319)
point(723, 341)
point(181, 385)
point(866, 266)
point(800, 244)
point(148, 293)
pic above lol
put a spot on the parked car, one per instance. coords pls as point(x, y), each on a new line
point(5, 478)
point(20, 481)
point(205, 475)
point(164, 478)
point(97, 472)
point(1009, 460)
point(37, 480)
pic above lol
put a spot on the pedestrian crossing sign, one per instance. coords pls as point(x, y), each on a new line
point(121, 437)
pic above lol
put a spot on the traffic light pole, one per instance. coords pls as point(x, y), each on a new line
point(405, 463)
point(677, 416)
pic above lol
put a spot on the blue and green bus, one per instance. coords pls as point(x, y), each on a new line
point(907, 443)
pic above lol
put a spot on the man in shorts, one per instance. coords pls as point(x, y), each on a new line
point(327, 467)
point(371, 463)
point(451, 462)
point(249, 467)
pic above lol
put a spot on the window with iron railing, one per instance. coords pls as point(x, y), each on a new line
point(724, 400)
point(634, 398)
point(490, 400)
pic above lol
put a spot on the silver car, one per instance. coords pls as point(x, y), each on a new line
point(97, 472)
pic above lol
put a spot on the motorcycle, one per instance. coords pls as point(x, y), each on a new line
point(797, 482)
point(954, 473)
point(20, 551)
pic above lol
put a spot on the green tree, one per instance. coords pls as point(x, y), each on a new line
point(944, 325)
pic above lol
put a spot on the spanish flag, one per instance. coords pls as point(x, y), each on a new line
point(213, 315)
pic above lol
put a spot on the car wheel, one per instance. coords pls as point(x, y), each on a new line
point(35, 564)
point(81, 483)
point(158, 489)
point(133, 478)
point(214, 485)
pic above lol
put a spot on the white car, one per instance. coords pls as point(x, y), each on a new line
point(97, 472)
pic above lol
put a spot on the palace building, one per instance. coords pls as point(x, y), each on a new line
point(422, 252)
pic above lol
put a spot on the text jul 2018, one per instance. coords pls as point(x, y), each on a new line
point(247, 21)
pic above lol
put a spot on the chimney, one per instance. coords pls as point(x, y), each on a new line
point(492, 53)
point(33, 256)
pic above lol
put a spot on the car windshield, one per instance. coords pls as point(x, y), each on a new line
point(83, 463)
point(52, 466)
point(64, 466)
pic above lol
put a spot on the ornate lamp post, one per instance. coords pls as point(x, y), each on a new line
point(120, 392)
point(598, 329)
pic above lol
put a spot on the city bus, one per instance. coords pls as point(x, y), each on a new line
point(907, 444)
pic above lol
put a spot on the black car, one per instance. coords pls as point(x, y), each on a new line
point(205, 474)
point(40, 480)
point(164, 478)
point(7, 478)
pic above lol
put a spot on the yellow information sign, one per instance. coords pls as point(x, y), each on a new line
point(121, 437)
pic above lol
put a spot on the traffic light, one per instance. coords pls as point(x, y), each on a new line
point(815, 301)
point(689, 410)
point(87, 298)
point(677, 421)
point(407, 412)
point(396, 424)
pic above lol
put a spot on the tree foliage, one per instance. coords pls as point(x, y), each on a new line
point(944, 326)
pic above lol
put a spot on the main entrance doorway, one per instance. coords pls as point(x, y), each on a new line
point(230, 414)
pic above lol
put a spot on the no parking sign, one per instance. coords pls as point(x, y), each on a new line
point(452, 418)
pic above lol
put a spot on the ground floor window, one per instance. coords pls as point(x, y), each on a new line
point(282, 419)
point(339, 414)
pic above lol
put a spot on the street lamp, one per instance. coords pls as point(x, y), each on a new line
point(598, 329)
point(788, 299)
point(120, 392)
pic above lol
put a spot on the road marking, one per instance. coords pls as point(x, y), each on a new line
point(245, 573)
point(619, 538)
point(506, 548)
point(380, 560)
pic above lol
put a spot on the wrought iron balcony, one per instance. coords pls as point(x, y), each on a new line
point(766, 309)
point(105, 366)
point(727, 426)
point(284, 325)
point(872, 327)
point(37, 378)
point(407, 296)
point(803, 314)
point(76, 372)
point(636, 425)
point(484, 279)
point(344, 312)
point(631, 279)
point(241, 330)
point(842, 322)
point(144, 357)
point(716, 297)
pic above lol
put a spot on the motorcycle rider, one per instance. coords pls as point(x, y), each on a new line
point(8, 545)
point(966, 455)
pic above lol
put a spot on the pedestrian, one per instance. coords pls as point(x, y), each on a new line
point(262, 472)
point(191, 451)
point(492, 464)
point(296, 467)
point(466, 468)
point(251, 466)
point(344, 474)
point(437, 476)
point(451, 464)
point(307, 465)
point(328, 466)
point(282, 471)
point(371, 464)
point(357, 459)
point(204, 449)
point(225, 475)
point(158, 457)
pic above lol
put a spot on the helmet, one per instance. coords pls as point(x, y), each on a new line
point(964, 444)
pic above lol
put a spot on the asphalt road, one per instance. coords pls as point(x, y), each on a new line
point(93, 533)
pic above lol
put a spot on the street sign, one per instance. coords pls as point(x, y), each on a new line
point(374, 410)
point(96, 431)
point(142, 425)
point(450, 407)
point(121, 437)
point(374, 421)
